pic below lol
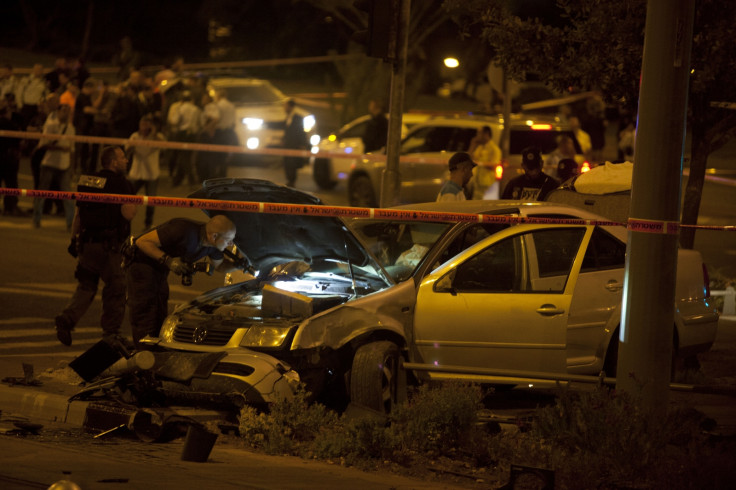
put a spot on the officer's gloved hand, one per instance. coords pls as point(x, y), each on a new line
point(176, 266)
point(73, 247)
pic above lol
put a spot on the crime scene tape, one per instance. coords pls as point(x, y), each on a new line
point(645, 226)
point(174, 145)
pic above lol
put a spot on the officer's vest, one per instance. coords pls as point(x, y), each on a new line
point(99, 220)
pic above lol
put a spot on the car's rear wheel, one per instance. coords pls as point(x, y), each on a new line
point(360, 192)
point(322, 175)
point(378, 379)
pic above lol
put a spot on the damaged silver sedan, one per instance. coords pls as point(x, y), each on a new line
point(345, 303)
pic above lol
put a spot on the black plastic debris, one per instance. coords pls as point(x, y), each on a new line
point(95, 360)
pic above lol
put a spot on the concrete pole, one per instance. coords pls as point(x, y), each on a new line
point(645, 351)
point(391, 179)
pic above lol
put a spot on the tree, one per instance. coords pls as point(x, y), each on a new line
point(599, 45)
point(368, 78)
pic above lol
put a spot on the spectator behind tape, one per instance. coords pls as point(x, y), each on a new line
point(567, 169)
point(533, 185)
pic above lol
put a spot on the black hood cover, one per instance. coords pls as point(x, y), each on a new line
point(269, 239)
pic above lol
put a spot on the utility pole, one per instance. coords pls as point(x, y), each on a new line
point(391, 178)
point(645, 349)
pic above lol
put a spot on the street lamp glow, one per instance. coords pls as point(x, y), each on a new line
point(451, 62)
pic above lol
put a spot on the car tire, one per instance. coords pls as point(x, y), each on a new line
point(360, 192)
point(321, 174)
point(378, 378)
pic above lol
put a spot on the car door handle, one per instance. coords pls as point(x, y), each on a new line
point(614, 286)
point(549, 310)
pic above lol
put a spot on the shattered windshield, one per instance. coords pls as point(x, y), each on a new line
point(399, 246)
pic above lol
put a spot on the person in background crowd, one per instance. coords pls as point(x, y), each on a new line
point(567, 169)
point(69, 95)
point(145, 169)
point(171, 246)
point(56, 161)
point(98, 231)
point(78, 71)
point(9, 83)
point(461, 167)
point(224, 132)
point(9, 155)
point(485, 151)
point(207, 160)
point(32, 147)
point(126, 112)
point(294, 139)
point(376, 130)
point(565, 149)
point(183, 119)
point(103, 102)
point(127, 59)
point(32, 92)
point(594, 123)
point(583, 138)
point(534, 185)
point(627, 142)
point(83, 122)
point(54, 79)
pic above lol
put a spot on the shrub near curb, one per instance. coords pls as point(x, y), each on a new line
point(595, 439)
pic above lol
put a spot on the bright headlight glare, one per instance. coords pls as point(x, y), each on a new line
point(309, 122)
point(262, 336)
point(252, 123)
point(168, 327)
point(314, 140)
point(252, 143)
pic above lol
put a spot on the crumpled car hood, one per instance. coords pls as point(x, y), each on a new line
point(268, 239)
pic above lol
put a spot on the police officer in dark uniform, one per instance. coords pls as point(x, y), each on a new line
point(172, 246)
point(98, 230)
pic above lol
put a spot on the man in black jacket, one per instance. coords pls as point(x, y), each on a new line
point(534, 185)
point(98, 230)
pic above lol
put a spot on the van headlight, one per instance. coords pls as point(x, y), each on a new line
point(264, 337)
point(309, 122)
point(253, 123)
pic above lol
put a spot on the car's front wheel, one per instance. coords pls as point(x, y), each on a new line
point(322, 175)
point(378, 379)
point(360, 192)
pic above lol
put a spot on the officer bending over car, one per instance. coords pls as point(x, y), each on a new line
point(175, 246)
point(98, 230)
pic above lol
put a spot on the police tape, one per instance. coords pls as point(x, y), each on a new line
point(635, 225)
point(208, 147)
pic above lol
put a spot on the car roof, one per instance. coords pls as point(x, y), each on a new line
point(518, 121)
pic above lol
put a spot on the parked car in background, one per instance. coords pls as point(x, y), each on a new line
point(437, 139)
point(345, 303)
point(259, 111)
point(328, 172)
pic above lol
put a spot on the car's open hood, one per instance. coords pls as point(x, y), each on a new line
point(268, 239)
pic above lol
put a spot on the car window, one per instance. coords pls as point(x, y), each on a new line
point(356, 131)
point(434, 139)
point(532, 262)
point(252, 94)
point(468, 237)
point(545, 140)
point(604, 252)
point(399, 246)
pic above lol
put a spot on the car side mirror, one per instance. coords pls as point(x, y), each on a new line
point(444, 283)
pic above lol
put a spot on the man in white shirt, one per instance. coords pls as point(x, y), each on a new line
point(144, 172)
point(183, 118)
point(56, 163)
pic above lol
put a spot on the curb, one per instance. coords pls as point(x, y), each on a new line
point(45, 406)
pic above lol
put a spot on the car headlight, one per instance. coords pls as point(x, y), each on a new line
point(252, 123)
point(168, 328)
point(309, 122)
point(263, 336)
point(314, 140)
point(252, 143)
